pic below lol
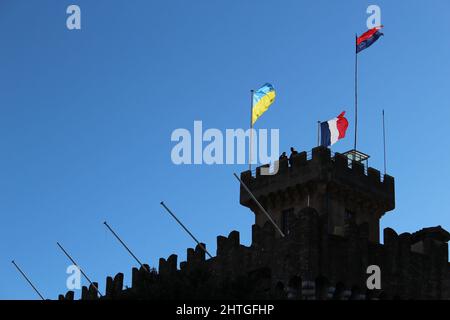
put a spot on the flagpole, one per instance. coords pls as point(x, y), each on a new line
point(259, 205)
point(356, 91)
point(185, 228)
point(79, 268)
point(318, 133)
point(251, 131)
point(125, 246)
point(28, 280)
point(384, 144)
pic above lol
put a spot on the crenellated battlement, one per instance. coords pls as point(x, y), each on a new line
point(309, 263)
point(329, 209)
point(322, 166)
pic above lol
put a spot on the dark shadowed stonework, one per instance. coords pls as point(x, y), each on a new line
point(329, 208)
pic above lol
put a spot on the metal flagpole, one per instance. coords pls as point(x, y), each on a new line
point(28, 280)
point(384, 143)
point(356, 90)
point(318, 133)
point(260, 206)
point(125, 246)
point(185, 229)
point(82, 272)
point(252, 92)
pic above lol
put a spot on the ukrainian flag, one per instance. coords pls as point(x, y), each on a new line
point(262, 99)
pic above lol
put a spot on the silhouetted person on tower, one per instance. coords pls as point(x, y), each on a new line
point(293, 153)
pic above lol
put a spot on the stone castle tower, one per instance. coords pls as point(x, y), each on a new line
point(329, 208)
point(336, 187)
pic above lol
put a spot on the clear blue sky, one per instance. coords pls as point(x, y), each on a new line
point(86, 118)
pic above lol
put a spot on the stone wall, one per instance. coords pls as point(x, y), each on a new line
point(309, 263)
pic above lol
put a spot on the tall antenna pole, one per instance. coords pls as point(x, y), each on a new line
point(28, 280)
point(259, 205)
point(124, 245)
point(252, 92)
point(185, 229)
point(356, 92)
point(82, 272)
point(384, 143)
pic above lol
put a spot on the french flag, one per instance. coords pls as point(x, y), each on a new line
point(333, 130)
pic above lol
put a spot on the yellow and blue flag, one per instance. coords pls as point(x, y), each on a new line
point(262, 99)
